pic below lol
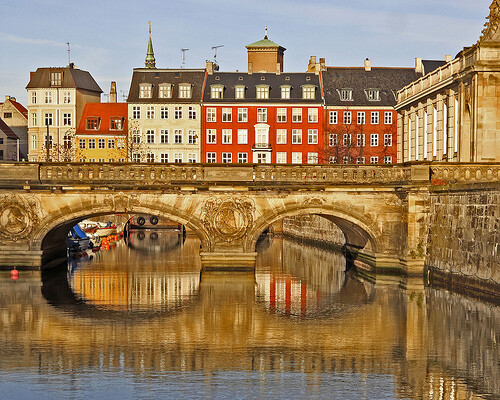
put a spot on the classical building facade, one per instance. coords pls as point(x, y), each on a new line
point(452, 112)
point(56, 99)
point(15, 116)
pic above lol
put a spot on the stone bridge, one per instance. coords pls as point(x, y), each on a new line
point(382, 210)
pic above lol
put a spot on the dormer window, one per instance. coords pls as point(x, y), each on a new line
point(285, 92)
point(216, 91)
point(239, 92)
point(145, 91)
point(346, 94)
point(55, 78)
point(116, 124)
point(184, 91)
point(93, 123)
point(262, 92)
point(308, 92)
point(373, 94)
point(165, 91)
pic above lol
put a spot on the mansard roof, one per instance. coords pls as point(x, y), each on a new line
point(72, 77)
point(387, 80)
point(155, 77)
point(229, 80)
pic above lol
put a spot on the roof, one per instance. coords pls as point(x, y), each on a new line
point(387, 80)
point(72, 78)
point(19, 107)
point(6, 129)
point(431, 65)
point(155, 77)
point(264, 43)
point(104, 112)
point(231, 79)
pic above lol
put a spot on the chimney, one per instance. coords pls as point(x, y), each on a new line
point(7, 97)
point(447, 58)
point(419, 67)
point(209, 66)
point(322, 64)
point(311, 67)
point(112, 92)
point(250, 68)
point(368, 65)
point(31, 75)
point(278, 69)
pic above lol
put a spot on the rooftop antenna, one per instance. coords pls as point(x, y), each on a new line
point(183, 51)
point(215, 52)
point(69, 53)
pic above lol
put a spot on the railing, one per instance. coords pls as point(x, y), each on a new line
point(464, 173)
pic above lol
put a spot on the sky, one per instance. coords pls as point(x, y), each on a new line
point(109, 38)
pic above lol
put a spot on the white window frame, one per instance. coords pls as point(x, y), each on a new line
point(309, 92)
point(145, 90)
point(285, 92)
point(297, 115)
point(333, 117)
point(184, 91)
point(388, 117)
point(374, 119)
point(312, 115)
point(211, 114)
point(227, 158)
point(211, 136)
point(242, 158)
point(164, 112)
point(262, 92)
point(239, 92)
point(281, 135)
point(261, 114)
point(374, 140)
point(312, 158)
point(211, 157)
point(347, 117)
point(296, 157)
point(296, 136)
point(281, 157)
point(227, 114)
point(312, 136)
point(227, 136)
point(361, 118)
point(242, 114)
point(178, 111)
point(164, 136)
point(281, 114)
point(242, 136)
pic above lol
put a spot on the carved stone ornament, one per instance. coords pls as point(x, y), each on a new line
point(228, 219)
point(121, 202)
point(490, 32)
point(17, 217)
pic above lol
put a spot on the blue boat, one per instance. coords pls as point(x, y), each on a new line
point(78, 240)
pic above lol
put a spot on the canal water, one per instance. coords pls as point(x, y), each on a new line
point(140, 321)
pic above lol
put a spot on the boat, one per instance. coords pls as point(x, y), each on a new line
point(153, 222)
point(106, 230)
point(78, 240)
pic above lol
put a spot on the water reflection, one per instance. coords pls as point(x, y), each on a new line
point(303, 326)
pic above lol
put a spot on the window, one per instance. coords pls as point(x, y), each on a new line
point(360, 140)
point(145, 90)
point(227, 136)
point(374, 160)
point(211, 136)
point(178, 136)
point(332, 117)
point(281, 136)
point(242, 115)
point(164, 112)
point(261, 114)
point(55, 78)
point(136, 137)
point(165, 91)
point(184, 91)
point(346, 139)
point(111, 143)
point(111, 160)
point(7, 115)
point(211, 114)
point(115, 124)
point(374, 119)
point(332, 139)
point(48, 119)
point(164, 136)
point(178, 112)
point(312, 158)
point(33, 97)
point(101, 143)
point(136, 157)
point(296, 157)
point(312, 136)
point(34, 142)
point(150, 136)
point(388, 117)
point(387, 160)
point(211, 157)
point(48, 97)
point(285, 92)
point(346, 94)
point(242, 158)
point(373, 94)
point(91, 143)
point(262, 92)
point(178, 158)
point(33, 119)
point(332, 160)
point(227, 158)
point(361, 118)
point(239, 92)
point(296, 136)
point(192, 137)
point(387, 139)
point(81, 143)
point(374, 139)
point(360, 160)
point(50, 142)
point(281, 115)
point(121, 143)
point(216, 92)
point(296, 114)
point(150, 112)
point(308, 92)
point(136, 112)
point(227, 115)
point(261, 158)
point(66, 97)
point(67, 119)
point(92, 123)
point(312, 115)
point(191, 112)
point(191, 157)
point(281, 157)
point(164, 158)
point(347, 117)
point(150, 158)
point(345, 159)
point(242, 136)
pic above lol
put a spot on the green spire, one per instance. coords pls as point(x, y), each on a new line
point(150, 56)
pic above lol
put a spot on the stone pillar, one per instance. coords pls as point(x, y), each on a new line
point(400, 141)
point(439, 129)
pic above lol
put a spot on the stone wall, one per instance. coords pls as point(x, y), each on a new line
point(464, 237)
point(313, 228)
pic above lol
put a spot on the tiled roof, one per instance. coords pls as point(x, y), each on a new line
point(72, 78)
point(250, 81)
point(104, 112)
point(387, 80)
point(6, 129)
point(155, 77)
point(19, 108)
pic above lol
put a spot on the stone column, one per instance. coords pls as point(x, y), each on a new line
point(400, 143)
